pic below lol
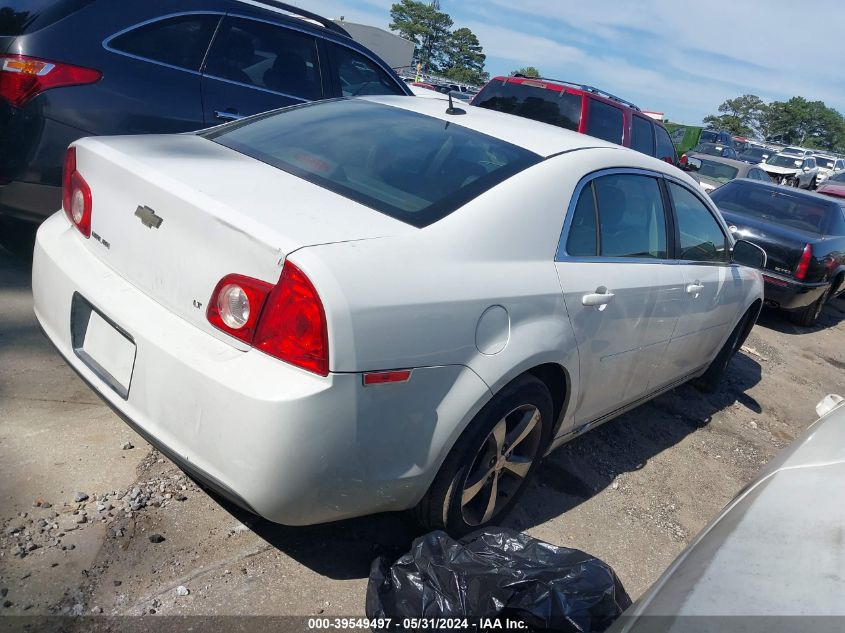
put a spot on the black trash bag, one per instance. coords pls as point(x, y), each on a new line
point(496, 573)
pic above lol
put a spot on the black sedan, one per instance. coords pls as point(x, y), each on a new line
point(803, 234)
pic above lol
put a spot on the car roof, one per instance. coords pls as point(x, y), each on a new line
point(558, 85)
point(726, 161)
point(541, 138)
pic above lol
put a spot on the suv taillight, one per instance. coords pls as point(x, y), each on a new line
point(286, 321)
point(22, 77)
point(804, 263)
point(76, 195)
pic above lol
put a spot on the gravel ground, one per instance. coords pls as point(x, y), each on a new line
point(92, 520)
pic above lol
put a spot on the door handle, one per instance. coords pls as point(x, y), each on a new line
point(227, 115)
point(597, 298)
point(695, 288)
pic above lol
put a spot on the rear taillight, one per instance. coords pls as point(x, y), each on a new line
point(236, 304)
point(683, 160)
point(804, 263)
point(76, 195)
point(286, 321)
point(22, 77)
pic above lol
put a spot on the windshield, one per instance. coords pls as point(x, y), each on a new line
point(717, 171)
point(756, 152)
point(412, 167)
point(793, 151)
point(708, 136)
point(780, 206)
point(824, 163)
point(779, 160)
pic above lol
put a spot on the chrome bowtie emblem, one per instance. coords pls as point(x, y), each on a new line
point(149, 217)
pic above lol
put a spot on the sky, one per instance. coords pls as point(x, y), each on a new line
point(679, 58)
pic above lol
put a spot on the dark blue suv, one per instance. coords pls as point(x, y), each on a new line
point(74, 68)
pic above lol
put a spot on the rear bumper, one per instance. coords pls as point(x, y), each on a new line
point(29, 201)
point(788, 294)
point(288, 445)
point(32, 149)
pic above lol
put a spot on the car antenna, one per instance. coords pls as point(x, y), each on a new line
point(452, 109)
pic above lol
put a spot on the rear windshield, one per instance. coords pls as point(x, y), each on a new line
point(412, 167)
point(717, 171)
point(826, 163)
point(708, 136)
point(780, 206)
point(562, 109)
point(18, 17)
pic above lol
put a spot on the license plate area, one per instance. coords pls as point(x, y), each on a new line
point(105, 348)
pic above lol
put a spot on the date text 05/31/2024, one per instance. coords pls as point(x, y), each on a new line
point(414, 624)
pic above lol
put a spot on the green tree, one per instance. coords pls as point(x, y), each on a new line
point(742, 116)
point(463, 58)
point(801, 122)
point(424, 24)
point(528, 71)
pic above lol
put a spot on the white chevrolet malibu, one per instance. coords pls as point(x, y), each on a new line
point(374, 304)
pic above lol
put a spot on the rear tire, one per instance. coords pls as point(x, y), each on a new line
point(489, 466)
point(812, 184)
point(808, 316)
point(710, 380)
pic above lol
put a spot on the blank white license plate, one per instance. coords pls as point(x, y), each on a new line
point(110, 349)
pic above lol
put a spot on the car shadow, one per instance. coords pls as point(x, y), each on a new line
point(574, 473)
point(832, 315)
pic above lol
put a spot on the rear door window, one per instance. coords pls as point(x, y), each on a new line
point(179, 41)
point(642, 135)
point(359, 76)
point(266, 56)
point(631, 219)
point(546, 105)
point(605, 121)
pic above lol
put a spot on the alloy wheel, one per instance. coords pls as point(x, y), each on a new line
point(501, 464)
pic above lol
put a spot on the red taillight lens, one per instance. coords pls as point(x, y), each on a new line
point(236, 305)
point(293, 326)
point(76, 195)
point(683, 160)
point(22, 77)
point(804, 262)
point(286, 321)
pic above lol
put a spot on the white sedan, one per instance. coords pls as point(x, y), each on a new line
point(374, 304)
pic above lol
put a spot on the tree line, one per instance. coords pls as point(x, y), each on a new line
point(795, 122)
point(456, 54)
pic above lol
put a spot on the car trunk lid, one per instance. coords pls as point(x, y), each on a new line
point(173, 214)
point(783, 245)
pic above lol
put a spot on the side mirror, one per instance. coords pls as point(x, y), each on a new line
point(692, 164)
point(748, 254)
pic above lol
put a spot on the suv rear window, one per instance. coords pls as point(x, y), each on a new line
point(412, 167)
point(18, 17)
point(562, 109)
